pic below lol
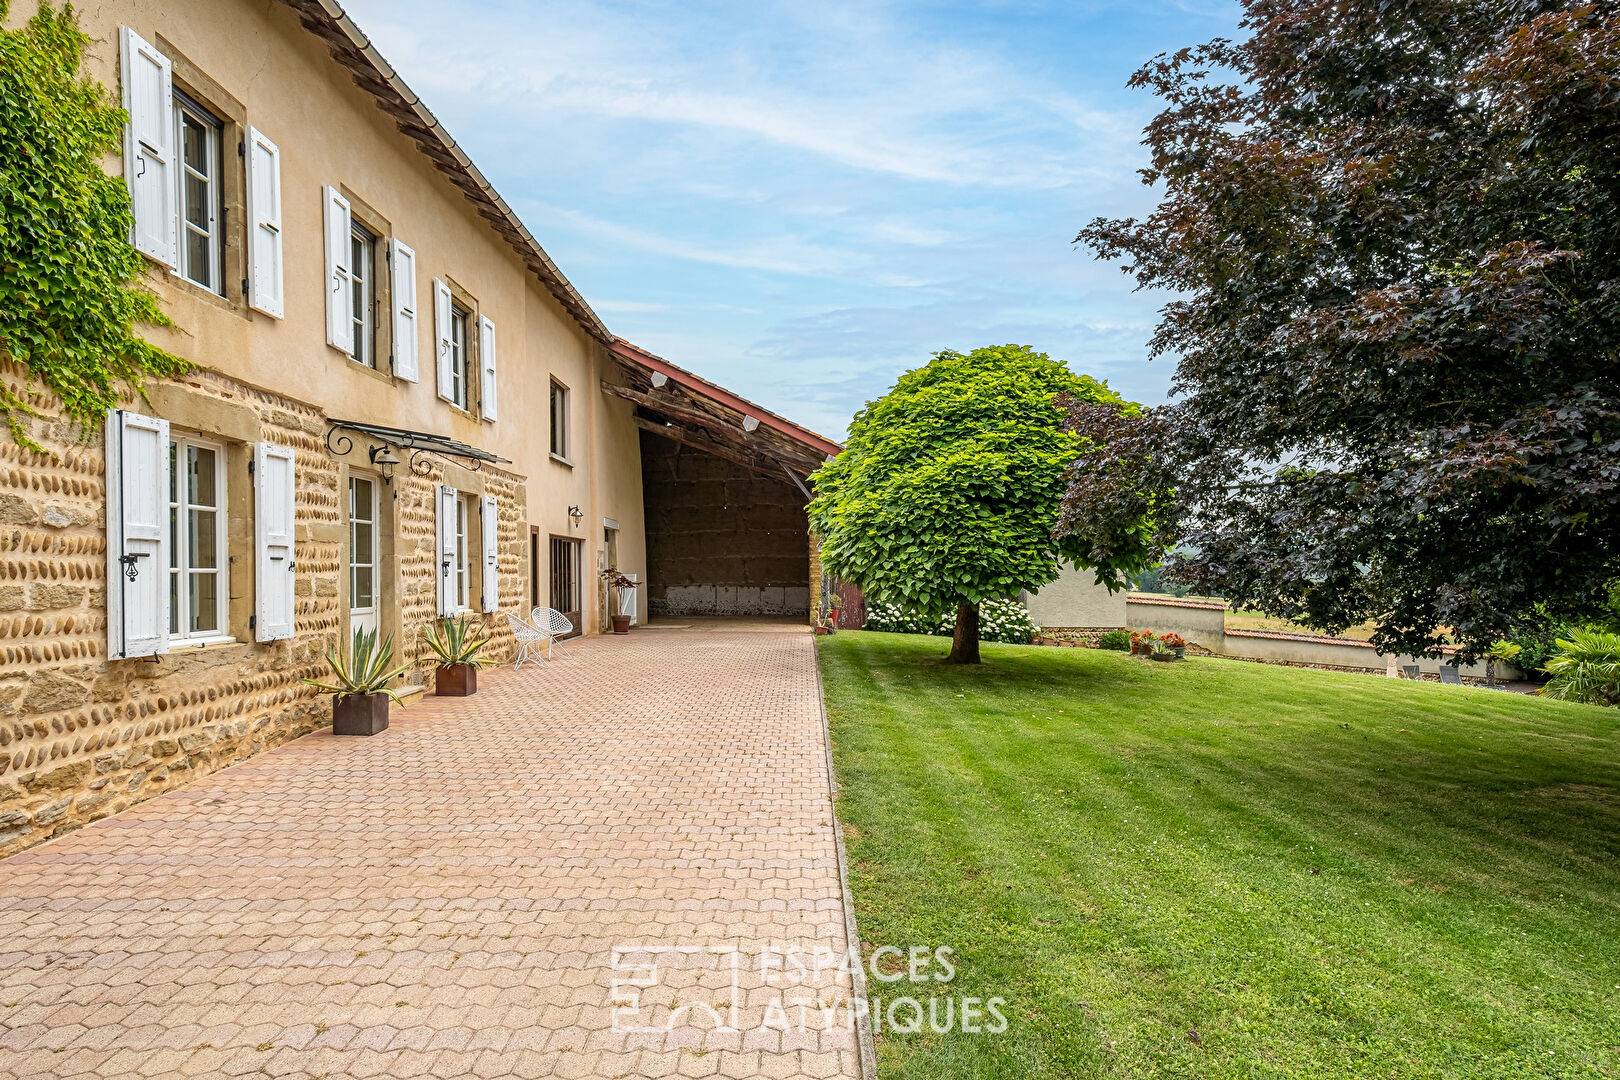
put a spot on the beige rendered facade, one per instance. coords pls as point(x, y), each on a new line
point(302, 170)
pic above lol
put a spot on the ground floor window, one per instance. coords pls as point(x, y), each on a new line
point(199, 588)
point(463, 555)
point(362, 552)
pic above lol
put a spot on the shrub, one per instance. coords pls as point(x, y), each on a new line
point(893, 619)
point(1586, 668)
point(1117, 640)
point(999, 620)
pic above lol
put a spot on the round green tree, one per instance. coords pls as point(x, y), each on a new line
point(948, 489)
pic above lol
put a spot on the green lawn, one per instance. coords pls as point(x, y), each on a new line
point(1214, 868)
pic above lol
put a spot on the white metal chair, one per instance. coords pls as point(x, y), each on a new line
point(527, 638)
point(551, 623)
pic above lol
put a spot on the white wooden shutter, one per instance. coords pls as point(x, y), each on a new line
point(274, 485)
point(486, 363)
point(446, 562)
point(445, 349)
point(137, 535)
point(149, 153)
point(402, 264)
point(264, 225)
point(489, 530)
point(339, 290)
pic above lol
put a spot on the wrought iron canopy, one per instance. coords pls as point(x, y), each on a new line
point(416, 442)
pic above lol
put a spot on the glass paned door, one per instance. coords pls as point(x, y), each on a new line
point(363, 604)
point(565, 590)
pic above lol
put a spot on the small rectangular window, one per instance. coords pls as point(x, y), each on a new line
point(362, 549)
point(463, 556)
point(363, 284)
point(459, 318)
point(201, 236)
point(199, 589)
point(559, 420)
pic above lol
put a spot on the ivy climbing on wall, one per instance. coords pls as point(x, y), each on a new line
point(70, 292)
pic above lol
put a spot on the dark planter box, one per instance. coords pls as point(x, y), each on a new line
point(621, 624)
point(1165, 657)
point(359, 714)
point(455, 680)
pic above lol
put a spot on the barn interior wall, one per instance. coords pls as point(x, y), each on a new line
point(721, 539)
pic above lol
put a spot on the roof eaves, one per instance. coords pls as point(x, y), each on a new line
point(327, 18)
point(626, 350)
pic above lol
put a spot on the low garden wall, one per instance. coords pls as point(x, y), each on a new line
point(1203, 622)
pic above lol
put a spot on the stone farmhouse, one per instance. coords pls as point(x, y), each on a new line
point(401, 409)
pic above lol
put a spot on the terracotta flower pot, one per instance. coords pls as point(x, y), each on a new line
point(621, 624)
point(455, 680)
point(359, 714)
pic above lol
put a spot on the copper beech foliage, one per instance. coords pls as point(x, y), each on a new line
point(1393, 236)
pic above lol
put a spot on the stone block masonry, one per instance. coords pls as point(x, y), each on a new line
point(82, 737)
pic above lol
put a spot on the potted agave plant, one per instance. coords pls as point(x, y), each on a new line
point(457, 646)
point(624, 592)
point(359, 686)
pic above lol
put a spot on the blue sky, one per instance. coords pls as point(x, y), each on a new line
point(802, 200)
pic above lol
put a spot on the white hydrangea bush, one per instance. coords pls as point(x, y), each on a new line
point(999, 620)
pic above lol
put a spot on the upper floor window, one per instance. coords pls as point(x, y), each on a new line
point(459, 318)
point(559, 420)
point(202, 240)
point(185, 191)
point(199, 591)
point(363, 288)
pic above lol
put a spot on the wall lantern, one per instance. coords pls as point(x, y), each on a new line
point(575, 514)
point(384, 457)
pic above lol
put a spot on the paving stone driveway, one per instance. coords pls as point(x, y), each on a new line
point(444, 899)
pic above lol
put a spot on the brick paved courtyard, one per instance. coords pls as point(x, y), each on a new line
point(444, 899)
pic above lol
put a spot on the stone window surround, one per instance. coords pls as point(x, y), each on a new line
point(464, 300)
point(235, 428)
point(565, 456)
point(190, 80)
point(381, 286)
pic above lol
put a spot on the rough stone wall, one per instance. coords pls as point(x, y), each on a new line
point(82, 737)
point(416, 552)
point(721, 539)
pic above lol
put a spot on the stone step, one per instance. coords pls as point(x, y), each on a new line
point(410, 695)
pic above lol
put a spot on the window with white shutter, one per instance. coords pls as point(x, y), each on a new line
point(486, 364)
point(199, 566)
point(402, 265)
point(264, 225)
point(149, 151)
point(339, 280)
point(444, 332)
point(449, 550)
point(275, 484)
point(137, 487)
point(489, 532)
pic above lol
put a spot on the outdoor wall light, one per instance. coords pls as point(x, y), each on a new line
point(384, 457)
point(575, 514)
